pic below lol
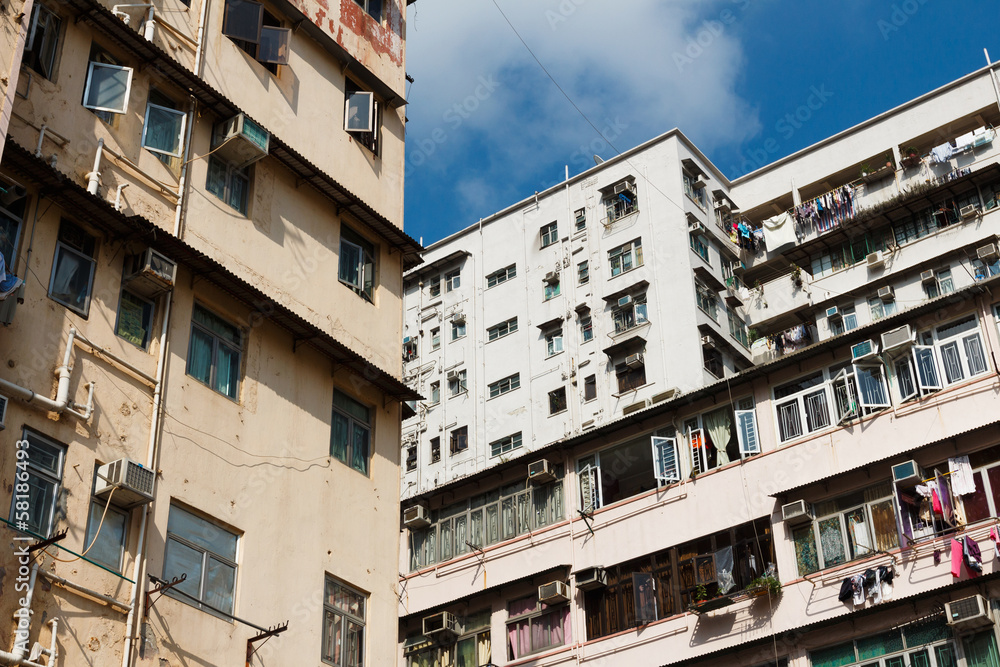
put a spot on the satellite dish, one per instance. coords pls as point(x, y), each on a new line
point(598, 159)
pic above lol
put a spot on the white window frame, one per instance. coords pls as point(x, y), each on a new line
point(501, 276)
point(848, 321)
point(554, 342)
point(799, 399)
point(368, 107)
point(455, 438)
point(747, 434)
point(460, 384)
point(552, 290)
point(881, 309)
point(580, 216)
point(28, 465)
point(457, 330)
point(53, 23)
point(960, 341)
point(666, 460)
point(635, 314)
point(180, 135)
point(583, 272)
point(625, 257)
point(508, 443)
point(435, 392)
point(505, 385)
point(505, 328)
point(586, 329)
point(548, 234)
point(86, 88)
point(453, 280)
point(435, 338)
point(698, 449)
point(88, 261)
point(842, 514)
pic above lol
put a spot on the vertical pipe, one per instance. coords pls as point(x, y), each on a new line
point(41, 138)
point(94, 177)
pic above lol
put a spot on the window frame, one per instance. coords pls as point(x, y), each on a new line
point(458, 439)
point(459, 384)
point(207, 555)
point(216, 342)
point(435, 392)
point(586, 329)
point(799, 399)
point(366, 7)
point(32, 57)
point(453, 280)
point(548, 234)
point(435, 447)
point(632, 316)
point(558, 401)
point(626, 257)
point(64, 245)
point(498, 331)
point(180, 135)
point(501, 276)
point(458, 330)
point(92, 65)
point(504, 385)
point(552, 290)
point(369, 134)
point(553, 342)
point(435, 338)
point(346, 618)
point(354, 424)
point(541, 613)
point(629, 378)
point(147, 316)
point(506, 444)
point(99, 504)
point(583, 272)
point(28, 465)
point(367, 256)
point(232, 175)
point(618, 206)
point(589, 382)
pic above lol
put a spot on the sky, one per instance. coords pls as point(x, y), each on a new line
point(748, 81)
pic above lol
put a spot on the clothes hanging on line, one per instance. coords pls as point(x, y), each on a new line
point(962, 480)
point(828, 210)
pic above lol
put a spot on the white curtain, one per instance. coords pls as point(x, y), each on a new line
point(719, 426)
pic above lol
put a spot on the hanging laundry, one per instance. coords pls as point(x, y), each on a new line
point(884, 575)
point(944, 495)
point(962, 480)
point(941, 153)
point(858, 590)
point(779, 231)
point(972, 556)
point(995, 536)
point(872, 588)
point(936, 502)
point(956, 558)
point(846, 590)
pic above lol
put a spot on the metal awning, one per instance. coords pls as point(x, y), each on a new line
point(82, 205)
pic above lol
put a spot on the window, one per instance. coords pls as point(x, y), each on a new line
point(691, 189)
point(214, 352)
point(409, 349)
point(435, 393)
point(435, 338)
point(501, 276)
point(700, 245)
point(586, 329)
point(581, 219)
point(553, 342)
point(472, 648)
point(738, 329)
point(502, 329)
point(43, 41)
point(590, 388)
point(435, 287)
point(557, 401)
point(357, 263)
point(351, 432)
point(707, 300)
point(552, 288)
point(107, 87)
point(583, 272)
point(802, 406)
point(852, 526)
point(534, 626)
point(163, 126)
point(626, 257)
point(504, 445)
point(941, 284)
point(508, 384)
point(859, 388)
point(343, 625)
point(880, 308)
point(453, 279)
point(457, 382)
point(620, 200)
point(630, 313)
point(206, 553)
point(627, 469)
point(106, 531)
point(457, 329)
point(986, 268)
point(38, 483)
point(712, 360)
point(135, 319)
point(948, 354)
point(922, 644)
point(73, 268)
point(459, 439)
point(847, 321)
point(230, 184)
point(374, 9)
point(363, 117)
point(435, 450)
point(721, 436)
point(549, 234)
point(11, 216)
point(632, 375)
point(258, 32)
point(411, 458)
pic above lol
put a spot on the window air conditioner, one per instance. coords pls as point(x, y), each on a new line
point(133, 483)
point(443, 625)
point(886, 293)
point(864, 350)
point(634, 407)
point(149, 273)
point(588, 580)
point(553, 592)
point(700, 183)
point(581, 215)
point(987, 251)
point(454, 375)
point(926, 277)
point(969, 613)
point(897, 338)
point(624, 188)
point(458, 318)
point(833, 313)
point(875, 260)
point(3, 412)
point(406, 339)
point(797, 513)
point(907, 474)
point(624, 301)
point(969, 211)
point(634, 360)
point(708, 341)
point(665, 395)
point(552, 277)
point(540, 472)
point(240, 141)
point(416, 517)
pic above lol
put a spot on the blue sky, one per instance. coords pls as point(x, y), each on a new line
point(488, 128)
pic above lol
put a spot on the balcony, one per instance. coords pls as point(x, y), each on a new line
point(776, 304)
point(775, 346)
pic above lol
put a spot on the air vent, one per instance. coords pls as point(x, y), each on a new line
point(240, 141)
point(633, 407)
point(553, 592)
point(875, 260)
point(926, 277)
point(541, 472)
point(133, 484)
point(864, 350)
point(797, 513)
point(907, 474)
point(897, 338)
point(665, 395)
point(416, 517)
point(588, 580)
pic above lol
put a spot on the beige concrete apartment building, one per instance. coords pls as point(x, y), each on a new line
point(201, 379)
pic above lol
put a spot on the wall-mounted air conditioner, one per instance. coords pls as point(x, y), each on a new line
point(908, 473)
point(988, 251)
point(897, 338)
point(624, 301)
point(541, 472)
point(708, 341)
point(443, 626)
point(551, 277)
point(553, 592)
point(634, 360)
point(458, 318)
point(3, 412)
point(969, 211)
point(416, 517)
point(875, 260)
point(8, 307)
point(886, 293)
point(926, 277)
point(595, 577)
point(624, 188)
point(454, 375)
point(133, 483)
point(833, 313)
point(969, 613)
point(864, 350)
point(240, 141)
point(797, 513)
point(149, 273)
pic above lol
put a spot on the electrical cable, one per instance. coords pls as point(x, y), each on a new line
point(96, 535)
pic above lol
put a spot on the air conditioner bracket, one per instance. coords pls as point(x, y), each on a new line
point(265, 635)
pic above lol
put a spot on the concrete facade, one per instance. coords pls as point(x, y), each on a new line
point(258, 390)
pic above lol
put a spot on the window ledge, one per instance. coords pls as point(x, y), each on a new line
point(623, 273)
point(553, 414)
point(501, 395)
point(696, 203)
point(625, 332)
point(556, 354)
point(611, 223)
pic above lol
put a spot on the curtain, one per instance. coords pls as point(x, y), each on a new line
point(719, 427)
point(200, 356)
point(163, 129)
point(228, 372)
point(338, 443)
point(484, 653)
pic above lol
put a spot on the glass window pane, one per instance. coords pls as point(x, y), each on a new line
point(340, 437)
point(239, 186)
point(359, 454)
point(220, 585)
point(41, 495)
point(44, 455)
point(350, 263)
point(945, 656)
point(217, 325)
point(333, 628)
point(952, 362)
point(875, 645)
point(216, 181)
point(834, 656)
point(227, 373)
point(107, 549)
point(817, 411)
point(203, 533)
point(832, 541)
point(974, 353)
point(163, 130)
point(789, 421)
point(243, 20)
point(135, 317)
point(806, 557)
point(199, 363)
point(181, 559)
point(71, 278)
point(274, 45)
point(355, 645)
point(108, 87)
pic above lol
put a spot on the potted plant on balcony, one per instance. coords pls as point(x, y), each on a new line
point(911, 157)
point(796, 275)
point(767, 584)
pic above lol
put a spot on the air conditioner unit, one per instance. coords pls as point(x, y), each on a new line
point(969, 211)
point(875, 260)
point(624, 188)
point(444, 625)
point(3, 412)
point(458, 318)
point(541, 472)
point(886, 293)
point(897, 338)
point(416, 517)
point(454, 375)
point(133, 483)
point(634, 360)
point(927, 277)
point(797, 513)
point(987, 251)
point(624, 301)
point(240, 141)
point(581, 215)
point(149, 273)
point(588, 580)
point(664, 395)
point(700, 183)
point(969, 613)
point(634, 407)
point(552, 277)
point(708, 341)
point(864, 350)
point(406, 339)
point(553, 592)
point(907, 474)
point(833, 313)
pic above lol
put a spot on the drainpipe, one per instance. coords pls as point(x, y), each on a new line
point(62, 403)
point(53, 651)
point(139, 564)
point(94, 176)
point(149, 28)
point(192, 107)
point(101, 597)
point(118, 196)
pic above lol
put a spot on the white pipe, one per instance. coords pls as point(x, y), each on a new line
point(41, 138)
point(61, 403)
point(150, 462)
point(150, 27)
point(200, 43)
point(118, 196)
point(11, 659)
point(94, 177)
point(182, 184)
point(98, 351)
point(101, 597)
